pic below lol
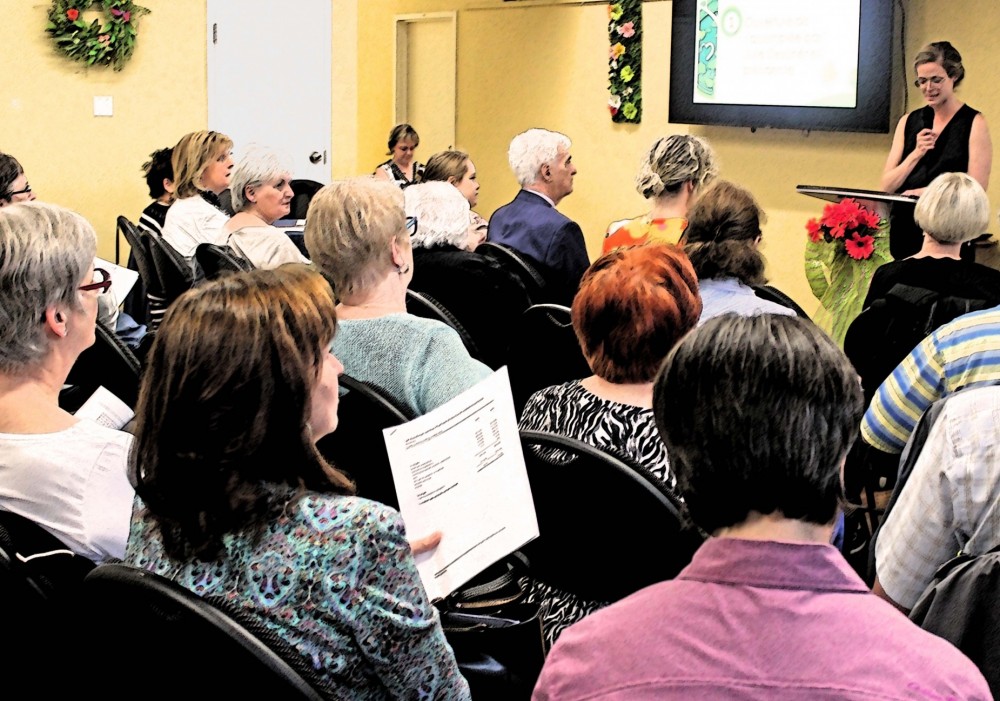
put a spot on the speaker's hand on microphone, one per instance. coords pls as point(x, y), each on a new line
point(925, 141)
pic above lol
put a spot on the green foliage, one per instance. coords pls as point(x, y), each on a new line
point(107, 43)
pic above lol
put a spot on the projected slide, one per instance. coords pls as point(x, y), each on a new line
point(777, 52)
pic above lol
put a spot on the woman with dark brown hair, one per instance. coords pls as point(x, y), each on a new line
point(722, 240)
point(235, 500)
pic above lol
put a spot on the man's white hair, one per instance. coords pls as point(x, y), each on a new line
point(532, 149)
point(442, 214)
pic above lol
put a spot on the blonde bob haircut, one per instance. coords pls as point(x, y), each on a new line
point(192, 154)
point(349, 232)
point(953, 209)
point(449, 166)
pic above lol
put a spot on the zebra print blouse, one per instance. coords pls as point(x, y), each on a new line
point(570, 410)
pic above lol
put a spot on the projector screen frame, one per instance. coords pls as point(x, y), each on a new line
point(871, 114)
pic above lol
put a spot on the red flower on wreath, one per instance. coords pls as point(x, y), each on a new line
point(860, 247)
point(72, 14)
point(814, 230)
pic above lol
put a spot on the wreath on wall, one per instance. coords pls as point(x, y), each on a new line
point(625, 60)
point(108, 41)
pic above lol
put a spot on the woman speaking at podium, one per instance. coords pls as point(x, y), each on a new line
point(945, 136)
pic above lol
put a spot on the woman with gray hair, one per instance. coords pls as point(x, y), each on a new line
point(66, 474)
point(671, 175)
point(261, 194)
point(484, 297)
point(359, 237)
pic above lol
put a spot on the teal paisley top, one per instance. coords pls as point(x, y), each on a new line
point(334, 576)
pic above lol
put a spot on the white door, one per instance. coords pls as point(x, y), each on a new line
point(269, 76)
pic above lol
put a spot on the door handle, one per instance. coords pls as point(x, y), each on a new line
point(316, 157)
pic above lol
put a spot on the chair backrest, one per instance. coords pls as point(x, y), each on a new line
point(171, 268)
point(525, 269)
point(40, 580)
point(543, 351)
point(425, 306)
point(357, 446)
point(585, 496)
point(892, 326)
point(159, 633)
point(140, 253)
point(215, 260)
point(773, 294)
point(108, 362)
point(304, 191)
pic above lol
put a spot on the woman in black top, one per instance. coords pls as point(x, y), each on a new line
point(945, 136)
point(910, 298)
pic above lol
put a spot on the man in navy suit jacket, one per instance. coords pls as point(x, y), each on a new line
point(531, 223)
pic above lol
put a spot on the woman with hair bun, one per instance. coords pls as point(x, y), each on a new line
point(671, 174)
point(722, 241)
point(944, 136)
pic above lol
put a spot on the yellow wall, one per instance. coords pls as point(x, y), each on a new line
point(91, 164)
point(524, 64)
point(541, 64)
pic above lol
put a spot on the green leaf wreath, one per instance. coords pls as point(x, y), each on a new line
point(107, 42)
point(625, 60)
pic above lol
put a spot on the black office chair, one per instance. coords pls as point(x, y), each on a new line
point(584, 496)
point(173, 271)
point(527, 270)
point(109, 363)
point(40, 580)
point(137, 304)
point(175, 644)
point(216, 260)
point(357, 446)
point(543, 351)
point(773, 294)
point(425, 306)
point(304, 191)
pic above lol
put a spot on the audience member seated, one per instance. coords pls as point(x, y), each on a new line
point(261, 195)
point(757, 413)
point(457, 168)
point(722, 240)
point(951, 502)
point(486, 299)
point(962, 353)
point(359, 236)
point(68, 475)
point(401, 169)
point(14, 185)
point(671, 174)
point(160, 180)
point(531, 224)
point(634, 304)
point(935, 284)
point(251, 512)
point(202, 162)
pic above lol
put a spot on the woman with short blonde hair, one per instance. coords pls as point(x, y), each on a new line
point(359, 236)
point(202, 162)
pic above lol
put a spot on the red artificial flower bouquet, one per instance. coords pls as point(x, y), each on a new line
point(848, 225)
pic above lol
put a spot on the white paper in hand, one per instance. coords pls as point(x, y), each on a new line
point(459, 469)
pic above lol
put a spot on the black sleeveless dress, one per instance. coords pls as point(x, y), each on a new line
point(949, 155)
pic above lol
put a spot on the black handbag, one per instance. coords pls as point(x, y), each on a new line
point(497, 638)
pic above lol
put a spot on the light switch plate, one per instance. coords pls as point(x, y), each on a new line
point(104, 105)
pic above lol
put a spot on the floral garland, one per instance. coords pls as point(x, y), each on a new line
point(110, 43)
point(625, 60)
point(846, 244)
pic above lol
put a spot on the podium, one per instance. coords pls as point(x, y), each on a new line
point(898, 209)
point(875, 200)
